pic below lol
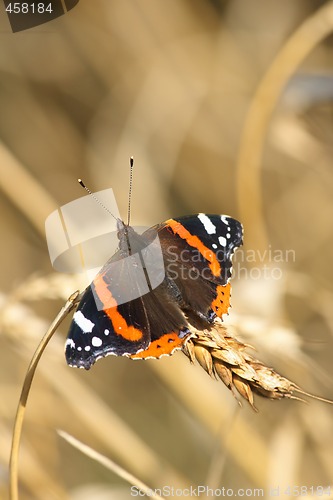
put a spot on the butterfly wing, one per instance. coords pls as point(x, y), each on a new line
point(198, 252)
point(150, 325)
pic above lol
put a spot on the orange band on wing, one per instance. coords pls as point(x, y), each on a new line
point(118, 321)
point(161, 347)
point(194, 242)
point(221, 304)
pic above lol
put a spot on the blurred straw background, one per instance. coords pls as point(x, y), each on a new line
point(227, 108)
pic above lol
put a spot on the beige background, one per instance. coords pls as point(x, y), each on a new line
point(227, 108)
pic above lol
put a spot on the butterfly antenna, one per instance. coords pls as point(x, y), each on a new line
point(80, 181)
point(130, 190)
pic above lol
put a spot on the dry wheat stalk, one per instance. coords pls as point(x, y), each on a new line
point(225, 357)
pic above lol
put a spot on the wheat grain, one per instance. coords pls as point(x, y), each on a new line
point(224, 357)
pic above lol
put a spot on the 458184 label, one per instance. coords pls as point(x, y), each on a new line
point(305, 491)
point(26, 15)
point(29, 7)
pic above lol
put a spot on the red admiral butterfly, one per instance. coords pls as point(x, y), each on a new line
point(197, 252)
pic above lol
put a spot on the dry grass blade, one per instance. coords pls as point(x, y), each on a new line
point(109, 464)
point(225, 357)
point(311, 32)
point(13, 463)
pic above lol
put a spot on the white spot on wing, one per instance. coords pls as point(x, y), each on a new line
point(96, 342)
point(224, 218)
point(82, 322)
point(222, 241)
point(70, 343)
point(208, 225)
